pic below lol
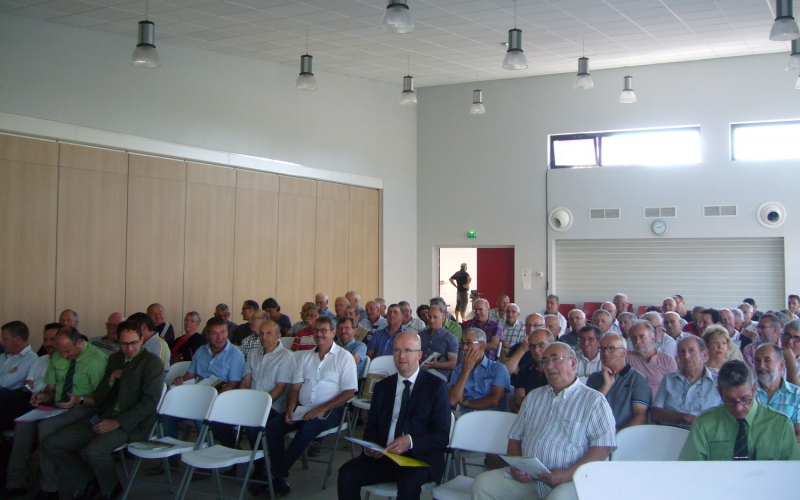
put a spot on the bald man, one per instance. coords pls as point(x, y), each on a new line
point(109, 343)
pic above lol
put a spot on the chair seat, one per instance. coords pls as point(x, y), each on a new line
point(458, 488)
point(218, 456)
point(390, 489)
point(180, 447)
point(322, 434)
point(363, 404)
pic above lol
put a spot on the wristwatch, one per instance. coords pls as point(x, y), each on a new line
point(80, 402)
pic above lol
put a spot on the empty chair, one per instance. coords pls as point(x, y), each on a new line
point(590, 307)
point(179, 369)
point(649, 443)
point(564, 309)
point(287, 342)
point(381, 365)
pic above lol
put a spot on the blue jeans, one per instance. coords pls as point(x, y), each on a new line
point(281, 457)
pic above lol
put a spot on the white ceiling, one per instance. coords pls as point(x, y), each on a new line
point(454, 41)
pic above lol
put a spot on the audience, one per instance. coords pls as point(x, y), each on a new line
point(245, 329)
point(339, 306)
point(304, 339)
point(354, 299)
point(68, 317)
point(373, 320)
point(790, 341)
point(15, 364)
point(436, 339)
point(345, 332)
point(423, 312)
point(588, 355)
point(718, 342)
point(612, 311)
point(479, 383)
point(793, 303)
point(410, 323)
point(363, 334)
point(302, 323)
point(576, 319)
point(321, 301)
point(673, 326)
point(162, 326)
point(450, 325)
point(625, 321)
point(551, 307)
point(223, 312)
point(769, 330)
point(499, 313)
point(773, 390)
point(680, 308)
point(383, 339)
point(273, 310)
point(151, 342)
point(253, 341)
point(187, 344)
point(107, 343)
point(663, 343)
point(603, 320)
point(645, 358)
point(381, 306)
point(728, 319)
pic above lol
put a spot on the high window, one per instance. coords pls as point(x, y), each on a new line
point(765, 141)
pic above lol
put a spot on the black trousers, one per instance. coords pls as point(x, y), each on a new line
point(13, 404)
point(364, 471)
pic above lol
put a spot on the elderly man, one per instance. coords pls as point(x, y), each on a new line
point(323, 382)
point(151, 342)
point(363, 334)
point(321, 301)
point(163, 328)
point(773, 390)
point(15, 363)
point(790, 342)
point(588, 355)
point(625, 389)
point(589, 436)
point(107, 343)
point(437, 339)
point(663, 343)
point(553, 324)
point(304, 339)
point(551, 307)
point(685, 394)
point(492, 329)
point(620, 301)
point(461, 280)
point(68, 317)
point(673, 326)
point(381, 343)
point(499, 313)
point(625, 320)
point(273, 310)
point(513, 328)
point(749, 327)
point(299, 325)
point(680, 308)
point(479, 383)
point(603, 320)
point(524, 362)
point(450, 324)
point(410, 416)
point(741, 427)
point(340, 305)
point(728, 319)
point(125, 405)
point(769, 330)
point(223, 312)
point(612, 311)
point(253, 341)
point(793, 304)
point(354, 299)
point(645, 358)
point(374, 321)
point(381, 305)
point(410, 323)
point(245, 329)
point(669, 305)
point(576, 319)
point(345, 332)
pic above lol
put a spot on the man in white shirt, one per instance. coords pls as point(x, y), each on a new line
point(663, 343)
point(15, 364)
point(588, 354)
point(673, 324)
point(612, 311)
point(323, 382)
point(603, 320)
point(499, 313)
point(551, 307)
point(410, 323)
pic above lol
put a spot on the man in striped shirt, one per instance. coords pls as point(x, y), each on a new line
point(564, 424)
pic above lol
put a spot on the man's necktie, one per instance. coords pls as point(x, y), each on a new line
point(68, 381)
point(401, 417)
point(740, 450)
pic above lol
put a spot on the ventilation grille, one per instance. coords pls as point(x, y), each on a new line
point(720, 211)
point(604, 213)
point(654, 212)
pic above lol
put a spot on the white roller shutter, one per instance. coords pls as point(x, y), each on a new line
point(717, 272)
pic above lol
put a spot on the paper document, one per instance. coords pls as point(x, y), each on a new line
point(432, 357)
point(40, 413)
point(211, 380)
point(300, 412)
point(151, 445)
point(528, 465)
point(398, 459)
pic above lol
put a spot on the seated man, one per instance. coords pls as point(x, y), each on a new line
point(436, 338)
point(741, 427)
point(663, 342)
point(363, 334)
point(588, 354)
point(321, 301)
point(513, 328)
point(383, 340)
point(107, 343)
point(126, 400)
point(673, 326)
point(564, 425)
point(302, 323)
point(324, 381)
point(625, 320)
point(450, 325)
point(410, 416)
point(346, 332)
point(524, 362)
point(15, 363)
point(273, 310)
point(152, 343)
point(245, 329)
point(372, 319)
point(648, 361)
point(685, 394)
point(491, 328)
point(576, 319)
point(304, 338)
point(625, 389)
point(773, 390)
point(499, 313)
point(602, 319)
point(163, 329)
point(479, 383)
point(410, 323)
point(769, 331)
point(252, 342)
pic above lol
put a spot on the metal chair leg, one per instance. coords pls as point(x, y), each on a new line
point(131, 477)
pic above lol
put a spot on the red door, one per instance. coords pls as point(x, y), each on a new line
point(496, 273)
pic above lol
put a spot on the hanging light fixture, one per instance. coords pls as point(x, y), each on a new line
point(408, 96)
point(477, 107)
point(794, 57)
point(785, 27)
point(145, 55)
point(583, 80)
point(515, 58)
point(797, 83)
point(627, 96)
point(397, 18)
point(306, 80)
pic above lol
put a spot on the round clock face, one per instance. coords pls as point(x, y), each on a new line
point(659, 227)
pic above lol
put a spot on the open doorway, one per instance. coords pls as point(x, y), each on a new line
point(491, 270)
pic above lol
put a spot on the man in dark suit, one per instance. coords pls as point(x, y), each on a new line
point(410, 414)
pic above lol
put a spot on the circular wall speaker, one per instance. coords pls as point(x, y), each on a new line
point(771, 214)
point(560, 219)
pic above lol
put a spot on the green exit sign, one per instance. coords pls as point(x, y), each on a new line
point(472, 234)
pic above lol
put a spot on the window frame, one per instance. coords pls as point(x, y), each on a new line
point(771, 123)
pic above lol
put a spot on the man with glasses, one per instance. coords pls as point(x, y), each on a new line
point(576, 319)
point(625, 389)
point(524, 363)
point(564, 425)
point(245, 329)
point(410, 416)
point(513, 328)
point(253, 342)
point(740, 428)
point(769, 330)
point(647, 360)
point(588, 354)
point(107, 343)
point(773, 390)
point(479, 383)
point(492, 329)
point(790, 342)
point(304, 339)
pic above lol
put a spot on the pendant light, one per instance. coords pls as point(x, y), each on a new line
point(794, 57)
point(145, 55)
point(627, 96)
point(515, 58)
point(785, 27)
point(477, 107)
point(583, 80)
point(397, 18)
point(797, 83)
point(408, 96)
point(306, 80)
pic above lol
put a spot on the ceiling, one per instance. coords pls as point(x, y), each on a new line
point(454, 40)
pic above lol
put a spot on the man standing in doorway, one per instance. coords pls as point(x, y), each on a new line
point(461, 280)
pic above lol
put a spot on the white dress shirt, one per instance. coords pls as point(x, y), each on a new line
point(398, 399)
point(325, 379)
point(14, 368)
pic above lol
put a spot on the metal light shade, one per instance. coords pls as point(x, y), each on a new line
point(397, 18)
point(146, 55)
point(477, 107)
point(515, 58)
point(408, 96)
point(785, 27)
point(306, 80)
point(584, 80)
point(794, 57)
point(797, 83)
point(627, 96)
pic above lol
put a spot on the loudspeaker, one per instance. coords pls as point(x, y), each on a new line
point(771, 214)
point(560, 219)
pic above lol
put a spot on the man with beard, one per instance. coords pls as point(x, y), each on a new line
point(645, 358)
point(773, 390)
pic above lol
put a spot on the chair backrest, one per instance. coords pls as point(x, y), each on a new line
point(161, 399)
point(649, 443)
point(179, 369)
point(484, 431)
point(241, 407)
point(298, 356)
point(589, 308)
point(366, 367)
point(287, 342)
point(188, 401)
point(564, 309)
point(383, 365)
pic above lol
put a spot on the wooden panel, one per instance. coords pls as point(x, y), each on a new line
point(103, 160)
point(27, 150)
point(256, 248)
point(331, 255)
point(301, 187)
point(365, 195)
point(28, 208)
point(90, 265)
point(208, 265)
point(296, 247)
point(210, 174)
point(156, 216)
point(364, 262)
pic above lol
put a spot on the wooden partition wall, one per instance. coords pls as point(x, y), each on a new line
point(98, 231)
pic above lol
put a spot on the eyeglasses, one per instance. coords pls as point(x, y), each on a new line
point(540, 345)
point(405, 351)
point(610, 349)
point(790, 338)
point(468, 342)
point(322, 330)
point(720, 343)
point(746, 403)
point(135, 343)
point(552, 359)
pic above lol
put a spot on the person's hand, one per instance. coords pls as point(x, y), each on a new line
point(313, 413)
point(372, 453)
point(37, 399)
point(555, 477)
point(426, 366)
point(465, 286)
point(177, 381)
point(609, 377)
point(399, 445)
point(105, 425)
point(520, 476)
point(471, 359)
point(289, 417)
point(689, 418)
point(788, 353)
point(13, 370)
point(115, 375)
point(71, 402)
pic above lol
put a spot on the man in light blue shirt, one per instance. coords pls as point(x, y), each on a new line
point(18, 358)
point(479, 383)
point(346, 332)
point(773, 390)
point(373, 320)
point(383, 339)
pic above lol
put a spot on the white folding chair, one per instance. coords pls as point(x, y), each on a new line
point(389, 490)
point(236, 407)
point(121, 449)
point(179, 369)
point(190, 402)
point(483, 431)
point(640, 443)
point(287, 342)
point(343, 426)
point(380, 365)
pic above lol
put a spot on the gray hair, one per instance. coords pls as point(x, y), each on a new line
point(583, 314)
point(195, 315)
point(222, 308)
point(627, 315)
point(778, 351)
point(619, 296)
point(737, 313)
point(550, 337)
point(512, 304)
point(651, 314)
point(745, 304)
point(483, 300)
point(261, 312)
point(773, 318)
point(794, 325)
point(646, 324)
point(601, 311)
point(735, 374)
point(441, 308)
point(568, 348)
point(322, 294)
point(701, 344)
point(480, 335)
point(615, 336)
point(337, 299)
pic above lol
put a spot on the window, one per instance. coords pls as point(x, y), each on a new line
point(765, 141)
point(674, 146)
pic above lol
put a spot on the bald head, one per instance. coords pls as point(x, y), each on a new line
point(114, 319)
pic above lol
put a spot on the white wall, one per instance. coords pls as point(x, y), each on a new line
point(497, 162)
point(227, 103)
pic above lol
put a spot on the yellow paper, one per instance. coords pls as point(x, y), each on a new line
point(405, 461)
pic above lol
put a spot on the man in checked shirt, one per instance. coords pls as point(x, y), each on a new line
point(564, 424)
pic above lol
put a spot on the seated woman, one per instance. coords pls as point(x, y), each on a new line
point(184, 347)
point(717, 340)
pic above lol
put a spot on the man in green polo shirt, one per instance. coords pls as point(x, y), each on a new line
point(740, 428)
point(73, 373)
